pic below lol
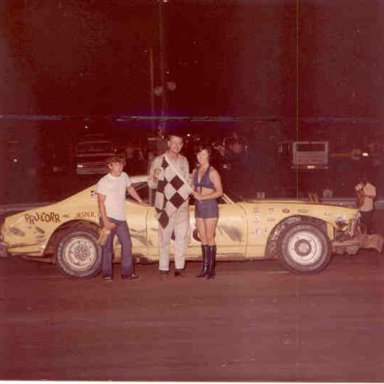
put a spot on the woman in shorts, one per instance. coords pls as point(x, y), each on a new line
point(207, 188)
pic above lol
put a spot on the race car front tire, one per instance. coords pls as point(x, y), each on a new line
point(78, 254)
point(304, 248)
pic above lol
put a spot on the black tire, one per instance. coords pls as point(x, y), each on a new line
point(78, 254)
point(304, 248)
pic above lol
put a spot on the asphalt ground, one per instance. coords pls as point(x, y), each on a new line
point(254, 322)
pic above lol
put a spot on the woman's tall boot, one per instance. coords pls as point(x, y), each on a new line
point(212, 262)
point(205, 261)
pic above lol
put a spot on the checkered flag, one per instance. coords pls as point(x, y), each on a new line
point(172, 191)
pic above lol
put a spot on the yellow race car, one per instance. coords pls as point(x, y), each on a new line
point(301, 234)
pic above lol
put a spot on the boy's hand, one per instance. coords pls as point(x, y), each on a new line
point(109, 225)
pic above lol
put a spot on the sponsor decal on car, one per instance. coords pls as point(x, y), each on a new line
point(85, 215)
point(256, 219)
point(257, 231)
point(45, 217)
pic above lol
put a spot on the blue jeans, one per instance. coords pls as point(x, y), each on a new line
point(122, 232)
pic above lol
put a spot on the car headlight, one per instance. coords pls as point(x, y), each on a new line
point(80, 166)
point(342, 222)
point(346, 225)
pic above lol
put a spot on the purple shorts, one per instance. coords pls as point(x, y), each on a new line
point(206, 209)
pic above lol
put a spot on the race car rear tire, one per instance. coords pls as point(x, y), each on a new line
point(304, 248)
point(78, 254)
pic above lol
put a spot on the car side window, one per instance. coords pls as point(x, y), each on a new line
point(148, 195)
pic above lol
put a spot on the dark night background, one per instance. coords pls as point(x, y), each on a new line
point(271, 69)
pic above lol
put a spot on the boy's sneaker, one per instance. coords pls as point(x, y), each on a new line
point(130, 277)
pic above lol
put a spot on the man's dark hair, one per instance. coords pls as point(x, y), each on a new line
point(173, 131)
point(169, 135)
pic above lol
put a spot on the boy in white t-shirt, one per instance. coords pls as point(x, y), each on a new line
point(111, 190)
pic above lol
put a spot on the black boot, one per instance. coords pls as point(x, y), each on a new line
point(212, 261)
point(204, 268)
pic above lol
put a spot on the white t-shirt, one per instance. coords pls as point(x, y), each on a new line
point(370, 190)
point(114, 188)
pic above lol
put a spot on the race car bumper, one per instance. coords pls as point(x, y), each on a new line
point(351, 246)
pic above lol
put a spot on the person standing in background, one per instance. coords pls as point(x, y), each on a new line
point(365, 196)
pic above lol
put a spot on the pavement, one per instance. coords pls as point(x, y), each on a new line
point(254, 322)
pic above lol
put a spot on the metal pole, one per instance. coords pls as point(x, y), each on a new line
point(162, 62)
point(151, 88)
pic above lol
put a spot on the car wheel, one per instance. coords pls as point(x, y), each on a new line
point(304, 248)
point(78, 254)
